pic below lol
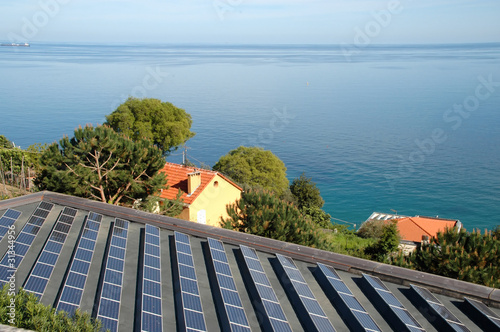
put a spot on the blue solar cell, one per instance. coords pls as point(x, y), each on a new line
point(303, 289)
point(37, 221)
point(294, 274)
point(118, 242)
point(405, 316)
point(87, 244)
point(339, 286)
point(322, 323)
point(152, 239)
point(152, 230)
point(66, 220)
point(52, 246)
point(116, 252)
point(260, 278)
point(108, 308)
point(366, 321)
point(219, 255)
point(80, 267)
point(42, 270)
point(226, 282)
point(351, 302)
point(48, 258)
point(185, 259)
point(280, 326)
point(194, 320)
point(76, 280)
point(236, 315)
point(111, 291)
point(69, 294)
point(191, 302)
point(151, 323)
point(312, 306)
point(189, 286)
point(13, 214)
point(183, 238)
point(88, 234)
point(222, 268)
point(115, 264)
point(231, 297)
point(254, 265)
point(25, 238)
point(152, 250)
point(215, 244)
point(375, 282)
point(151, 274)
point(84, 254)
point(46, 206)
point(390, 299)
point(109, 324)
point(274, 310)
point(35, 284)
point(239, 328)
point(69, 308)
point(113, 277)
point(41, 213)
point(286, 262)
point(187, 271)
point(184, 248)
point(152, 261)
point(248, 252)
point(329, 271)
point(3, 231)
point(58, 237)
point(267, 293)
point(123, 224)
point(152, 288)
point(94, 217)
point(91, 226)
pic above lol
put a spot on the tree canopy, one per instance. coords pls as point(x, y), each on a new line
point(306, 193)
point(104, 165)
point(166, 125)
point(5, 143)
point(262, 213)
point(255, 167)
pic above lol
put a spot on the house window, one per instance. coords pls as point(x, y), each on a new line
point(201, 217)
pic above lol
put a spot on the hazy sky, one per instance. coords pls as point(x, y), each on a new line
point(251, 21)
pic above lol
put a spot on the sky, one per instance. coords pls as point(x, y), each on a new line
point(251, 21)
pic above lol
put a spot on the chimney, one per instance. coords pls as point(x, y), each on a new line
point(194, 181)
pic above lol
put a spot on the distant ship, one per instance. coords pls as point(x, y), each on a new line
point(16, 44)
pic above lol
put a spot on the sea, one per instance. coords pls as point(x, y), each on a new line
point(406, 129)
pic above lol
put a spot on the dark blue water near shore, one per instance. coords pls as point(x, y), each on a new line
point(377, 131)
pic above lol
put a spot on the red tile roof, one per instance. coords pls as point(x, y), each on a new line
point(177, 176)
point(413, 228)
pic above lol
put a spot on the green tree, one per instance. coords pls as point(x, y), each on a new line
point(262, 213)
point(472, 257)
point(254, 167)
point(306, 192)
point(101, 164)
point(5, 143)
point(33, 315)
point(163, 206)
point(387, 244)
point(166, 125)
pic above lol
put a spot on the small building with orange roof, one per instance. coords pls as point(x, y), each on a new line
point(205, 193)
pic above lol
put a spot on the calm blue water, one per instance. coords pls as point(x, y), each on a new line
point(376, 133)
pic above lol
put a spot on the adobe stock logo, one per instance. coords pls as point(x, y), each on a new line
point(48, 9)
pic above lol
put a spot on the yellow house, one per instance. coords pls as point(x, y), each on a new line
point(205, 193)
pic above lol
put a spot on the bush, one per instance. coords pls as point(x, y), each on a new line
point(372, 229)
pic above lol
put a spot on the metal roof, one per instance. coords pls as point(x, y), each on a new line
point(138, 271)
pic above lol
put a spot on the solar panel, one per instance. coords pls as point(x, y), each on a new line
point(151, 283)
point(385, 301)
point(109, 301)
point(6, 221)
point(234, 313)
point(352, 311)
point(74, 284)
point(190, 300)
point(265, 294)
point(40, 275)
point(483, 315)
point(309, 310)
point(438, 308)
point(18, 249)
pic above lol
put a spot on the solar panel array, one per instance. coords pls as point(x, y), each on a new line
point(233, 308)
point(72, 291)
point(40, 275)
point(485, 317)
point(311, 306)
point(272, 307)
point(362, 320)
point(9, 262)
point(151, 316)
point(192, 311)
point(403, 316)
point(438, 308)
point(109, 301)
point(7, 220)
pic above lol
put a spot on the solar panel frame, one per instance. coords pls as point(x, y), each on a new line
point(234, 315)
point(307, 306)
point(13, 257)
point(151, 309)
point(351, 309)
point(482, 315)
point(108, 309)
point(77, 275)
point(191, 318)
point(446, 317)
point(269, 306)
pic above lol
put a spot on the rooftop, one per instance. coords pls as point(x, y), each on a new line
point(153, 272)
